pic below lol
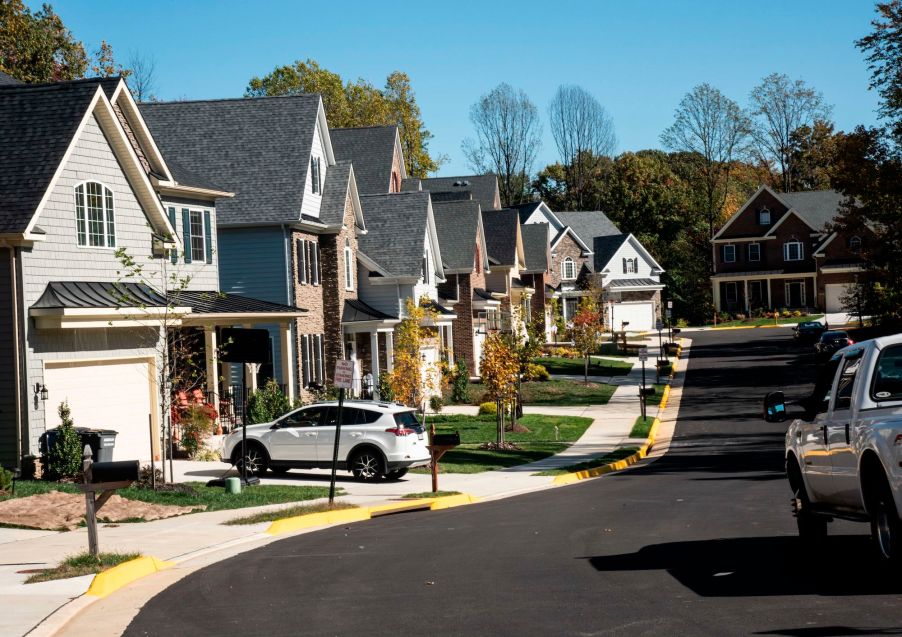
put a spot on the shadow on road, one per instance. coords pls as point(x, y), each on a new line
point(831, 631)
point(762, 566)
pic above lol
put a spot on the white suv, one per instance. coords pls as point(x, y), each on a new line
point(378, 440)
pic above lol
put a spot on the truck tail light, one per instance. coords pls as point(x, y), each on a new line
point(898, 441)
point(400, 431)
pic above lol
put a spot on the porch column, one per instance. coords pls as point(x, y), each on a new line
point(449, 343)
point(769, 304)
point(748, 305)
point(210, 348)
point(287, 352)
point(389, 351)
point(374, 359)
point(250, 372)
point(715, 294)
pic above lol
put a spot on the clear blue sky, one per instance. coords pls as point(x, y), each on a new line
point(638, 57)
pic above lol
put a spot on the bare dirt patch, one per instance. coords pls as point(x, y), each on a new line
point(65, 511)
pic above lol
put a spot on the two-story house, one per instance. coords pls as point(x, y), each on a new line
point(504, 243)
point(536, 258)
point(776, 252)
point(84, 191)
point(289, 235)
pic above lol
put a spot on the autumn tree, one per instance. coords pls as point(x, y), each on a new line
point(587, 330)
point(713, 130)
point(357, 103)
point(779, 107)
point(499, 368)
point(508, 136)
point(583, 133)
point(410, 382)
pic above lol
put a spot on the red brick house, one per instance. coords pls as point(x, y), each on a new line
point(777, 252)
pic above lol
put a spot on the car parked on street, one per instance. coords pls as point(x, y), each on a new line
point(808, 331)
point(378, 440)
point(844, 456)
point(831, 342)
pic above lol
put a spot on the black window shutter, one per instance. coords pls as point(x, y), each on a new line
point(173, 253)
point(624, 265)
point(305, 360)
point(186, 234)
point(315, 250)
point(302, 263)
point(208, 229)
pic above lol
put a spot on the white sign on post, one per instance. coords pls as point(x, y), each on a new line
point(643, 353)
point(669, 305)
point(344, 374)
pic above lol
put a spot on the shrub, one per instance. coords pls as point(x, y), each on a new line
point(537, 372)
point(797, 314)
point(786, 313)
point(460, 383)
point(267, 404)
point(6, 480)
point(488, 409)
point(436, 403)
point(740, 316)
point(64, 458)
point(723, 317)
point(681, 323)
point(385, 391)
point(196, 423)
point(205, 454)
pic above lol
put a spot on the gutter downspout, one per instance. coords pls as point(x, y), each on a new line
point(17, 373)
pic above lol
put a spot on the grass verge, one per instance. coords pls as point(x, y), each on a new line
point(614, 456)
point(766, 321)
point(576, 366)
point(289, 512)
point(642, 427)
point(655, 399)
point(81, 564)
point(552, 392)
point(428, 494)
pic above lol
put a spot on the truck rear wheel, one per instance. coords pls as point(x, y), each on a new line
point(811, 526)
point(886, 529)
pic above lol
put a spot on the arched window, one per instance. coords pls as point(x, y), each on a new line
point(349, 266)
point(568, 269)
point(764, 217)
point(855, 245)
point(95, 218)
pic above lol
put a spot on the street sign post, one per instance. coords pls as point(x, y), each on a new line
point(643, 356)
point(344, 379)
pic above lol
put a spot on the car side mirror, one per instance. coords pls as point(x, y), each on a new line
point(775, 407)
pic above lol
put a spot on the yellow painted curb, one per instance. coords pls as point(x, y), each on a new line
point(111, 580)
point(451, 501)
point(298, 522)
point(664, 396)
point(425, 503)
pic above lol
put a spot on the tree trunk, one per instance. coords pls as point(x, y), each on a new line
point(586, 369)
point(499, 421)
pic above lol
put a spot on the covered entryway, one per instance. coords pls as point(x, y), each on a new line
point(834, 294)
point(116, 394)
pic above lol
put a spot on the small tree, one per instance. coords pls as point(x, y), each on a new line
point(64, 457)
point(500, 371)
point(586, 330)
point(460, 385)
point(267, 404)
point(526, 343)
point(409, 383)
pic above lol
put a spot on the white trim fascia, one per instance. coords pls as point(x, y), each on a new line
point(837, 269)
point(817, 251)
point(401, 153)
point(432, 236)
point(587, 251)
point(355, 201)
point(324, 133)
point(634, 288)
point(521, 253)
point(371, 265)
point(742, 240)
point(755, 277)
point(483, 249)
point(791, 211)
point(175, 189)
point(363, 327)
point(748, 202)
point(133, 114)
point(230, 318)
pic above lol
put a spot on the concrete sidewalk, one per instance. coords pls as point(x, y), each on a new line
point(202, 535)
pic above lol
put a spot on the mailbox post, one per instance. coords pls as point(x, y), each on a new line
point(105, 478)
point(438, 445)
point(643, 356)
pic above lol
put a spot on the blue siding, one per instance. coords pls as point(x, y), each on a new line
point(252, 263)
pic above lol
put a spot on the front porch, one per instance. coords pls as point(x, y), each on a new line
point(747, 292)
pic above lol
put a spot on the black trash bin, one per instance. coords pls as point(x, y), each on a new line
point(101, 441)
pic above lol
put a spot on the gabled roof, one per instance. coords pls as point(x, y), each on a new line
point(526, 209)
point(372, 150)
point(817, 208)
point(340, 182)
point(483, 187)
point(605, 248)
point(501, 231)
point(223, 303)
point(413, 184)
point(535, 246)
point(588, 224)
point(457, 227)
point(6, 79)
point(258, 148)
point(397, 226)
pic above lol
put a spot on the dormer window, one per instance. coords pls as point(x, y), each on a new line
point(568, 269)
point(349, 266)
point(793, 251)
point(729, 253)
point(764, 217)
point(316, 182)
point(855, 245)
point(630, 266)
point(95, 219)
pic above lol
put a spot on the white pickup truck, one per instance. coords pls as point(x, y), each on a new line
point(844, 457)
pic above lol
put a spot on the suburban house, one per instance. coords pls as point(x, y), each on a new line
point(376, 154)
point(84, 190)
point(465, 263)
point(400, 261)
point(482, 188)
point(587, 249)
point(289, 235)
point(504, 243)
point(536, 257)
point(777, 251)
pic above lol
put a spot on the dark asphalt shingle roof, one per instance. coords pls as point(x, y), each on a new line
point(817, 207)
point(6, 80)
point(37, 125)
point(411, 184)
point(457, 227)
point(335, 194)
point(187, 177)
point(483, 187)
point(356, 310)
point(258, 148)
point(371, 149)
point(224, 303)
point(98, 294)
point(605, 248)
point(588, 224)
point(535, 246)
point(500, 227)
point(396, 231)
point(526, 209)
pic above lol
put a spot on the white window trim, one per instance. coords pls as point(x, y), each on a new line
point(203, 235)
point(758, 246)
point(786, 250)
point(733, 247)
point(726, 288)
point(786, 293)
point(855, 249)
point(761, 214)
point(106, 224)
point(760, 295)
point(349, 269)
point(568, 261)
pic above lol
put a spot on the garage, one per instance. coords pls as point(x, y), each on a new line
point(834, 293)
point(639, 314)
point(115, 395)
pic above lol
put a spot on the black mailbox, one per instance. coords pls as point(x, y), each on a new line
point(676, 330)
point(446, 440)
point(647, 391)
point(122, 471)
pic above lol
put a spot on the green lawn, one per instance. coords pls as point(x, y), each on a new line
point(610, 349)
point(428, 494)
point(614, 456)
point(81, 564)
point(215, 498)
point(576, 366)
point(766, 321)
point(655, 399)
point(553, 392)
point(642, 427)
point(538, 443)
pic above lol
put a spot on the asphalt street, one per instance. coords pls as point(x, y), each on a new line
point(698, 542)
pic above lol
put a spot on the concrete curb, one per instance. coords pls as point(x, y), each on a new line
point(111, 580)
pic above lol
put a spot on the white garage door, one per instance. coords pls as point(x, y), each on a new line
point(109, 395)
point(640, 315)
point(834, 293)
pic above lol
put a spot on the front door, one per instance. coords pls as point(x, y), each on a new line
point(295, 437)
point(795, 294)
point(845, 485)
